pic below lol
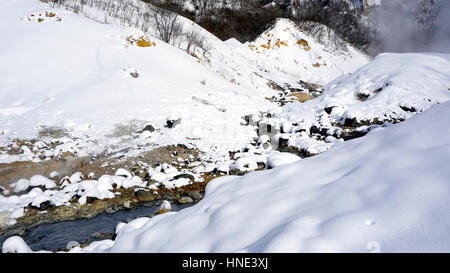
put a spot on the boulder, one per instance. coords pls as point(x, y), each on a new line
point(184, 175)
point(196, 195)
point(144, 196)
point(185, 200)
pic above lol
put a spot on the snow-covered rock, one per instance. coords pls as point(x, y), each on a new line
point(15, 244)
point(392, 88)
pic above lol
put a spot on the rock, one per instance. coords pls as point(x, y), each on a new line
point(351, 122)
point(144, 196)
point(21, 232)
point(283, 142)
point(72, 244)
point(100, 235)
point(127, 204)
point(149, 128)
point(44, 205)
point(236, 171)
point(165, 207)
point(196, 195)
point(362, 96)
point(407, 109)
point(90, 200)
point(185, 200)
point(172, 123)
point(314, 130)
point(184, 175)
point(328, 110)
point(134, 74)
point(111, 210)
point(247, 119)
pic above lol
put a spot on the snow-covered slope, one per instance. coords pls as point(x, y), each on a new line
point(64, 72)
point(77, 74)
point(392, 88)
point(385, 192)
point(296, 54)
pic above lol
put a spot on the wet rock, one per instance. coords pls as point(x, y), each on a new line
point(144, 196)
point(72, 244)
point(21, 232)
point(172, 123)
point(196, 195)
point(184, 175)
point(235, 171)
point(185, 200)
point(127, 204)
point(112, 210)
point(100, 235)
point(165, 207)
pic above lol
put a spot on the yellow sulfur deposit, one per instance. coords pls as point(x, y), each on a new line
point(141, 41)
point(305, 44)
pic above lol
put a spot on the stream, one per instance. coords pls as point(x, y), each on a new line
point(54, 237)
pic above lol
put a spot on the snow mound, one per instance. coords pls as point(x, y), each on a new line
point(387, 192)
point(15, 244)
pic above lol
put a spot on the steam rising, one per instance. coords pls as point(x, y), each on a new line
point(411, 26)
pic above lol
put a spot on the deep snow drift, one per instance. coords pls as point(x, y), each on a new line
point(385, 192)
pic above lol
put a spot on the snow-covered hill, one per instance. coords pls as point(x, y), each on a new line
point(65, 73)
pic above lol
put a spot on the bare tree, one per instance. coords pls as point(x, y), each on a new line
point(204, 7)
point(167, 25)
point(194, 41)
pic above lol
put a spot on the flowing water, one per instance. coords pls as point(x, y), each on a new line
point(54, 237)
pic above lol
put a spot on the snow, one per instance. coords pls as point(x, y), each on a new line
point(397, 86)
point(21, 185)
point(387, 191)
point(279, 159)
point(93, 91)
point(15, 244)
point(40, 180)
point(98, 106)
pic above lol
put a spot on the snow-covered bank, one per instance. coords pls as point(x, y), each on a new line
point(385, 192)
point(390, 89)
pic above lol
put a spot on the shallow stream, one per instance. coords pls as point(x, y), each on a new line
point(54, 237)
